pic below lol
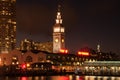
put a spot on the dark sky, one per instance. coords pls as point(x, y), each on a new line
point(87, 22)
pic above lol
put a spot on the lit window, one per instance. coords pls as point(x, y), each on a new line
point(13, 63)
point(9, 13)
point(56, 29)
point(9, 21)
point(62, 29)
point(57, 21)
point(61, 21)
point(17, 62)
point(14, 58)
point(14, 22)
point(3, 12)
point(58, 13)
point(72, 59)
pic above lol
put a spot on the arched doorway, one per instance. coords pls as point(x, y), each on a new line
point(29, 59)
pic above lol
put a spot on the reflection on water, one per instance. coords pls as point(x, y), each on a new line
point(23, 78)
point(69, 77)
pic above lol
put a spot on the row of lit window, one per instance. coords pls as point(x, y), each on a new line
point(68, 63)
point(59, 29)
point(68, 58)
point(5, 12)
point(7, 23)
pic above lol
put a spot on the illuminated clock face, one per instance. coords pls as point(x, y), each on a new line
point(62, 40)
point(56, 40)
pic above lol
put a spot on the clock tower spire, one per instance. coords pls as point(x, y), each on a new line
point(58, 33)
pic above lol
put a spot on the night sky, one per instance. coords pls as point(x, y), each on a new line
point(87, 22)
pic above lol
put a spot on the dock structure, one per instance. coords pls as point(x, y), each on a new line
point(102, 67)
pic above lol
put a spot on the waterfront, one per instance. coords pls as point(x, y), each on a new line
point(62, 77)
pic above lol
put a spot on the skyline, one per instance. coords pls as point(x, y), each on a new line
point(87, 23)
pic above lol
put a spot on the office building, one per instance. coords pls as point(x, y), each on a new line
point(7, 25)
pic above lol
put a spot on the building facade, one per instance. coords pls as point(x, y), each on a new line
point(58, 61)
point(29, 45)
point(58, 34)
point(7, 25)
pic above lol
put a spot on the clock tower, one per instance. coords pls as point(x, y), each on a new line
point(58, 33)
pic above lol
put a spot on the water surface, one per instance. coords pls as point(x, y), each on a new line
point(67, 77)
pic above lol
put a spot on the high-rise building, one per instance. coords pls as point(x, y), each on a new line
point(58, 33)
point(7, 25)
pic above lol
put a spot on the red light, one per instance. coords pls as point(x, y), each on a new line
point(23, 66)
point(63, 51)
point(66, 51)
point(83, 53)
point(23, 78)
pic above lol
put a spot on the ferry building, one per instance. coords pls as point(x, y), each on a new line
point(30, 53)
point(51, 55)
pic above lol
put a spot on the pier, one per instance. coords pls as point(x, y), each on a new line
point(101, 68)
